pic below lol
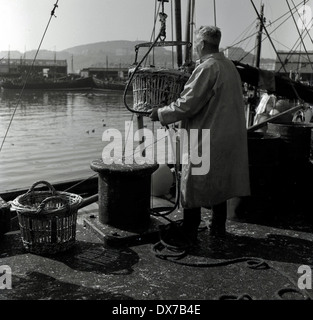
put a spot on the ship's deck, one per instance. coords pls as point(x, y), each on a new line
point(130, 270)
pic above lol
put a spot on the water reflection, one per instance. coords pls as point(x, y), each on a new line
point(55, 135)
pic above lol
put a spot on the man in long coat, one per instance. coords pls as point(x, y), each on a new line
point(212, 99)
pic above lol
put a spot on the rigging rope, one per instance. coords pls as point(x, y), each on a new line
point(306, 29)
point(52, 14)
point(156, 11)
point(128, 131)
point(272, 23)
point(300, 35)
point(242, 34)
point(135, 70)
point(292, 85)
point(291, 11)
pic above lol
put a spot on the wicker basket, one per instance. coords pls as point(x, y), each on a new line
point(154, 87)
point(47, 219)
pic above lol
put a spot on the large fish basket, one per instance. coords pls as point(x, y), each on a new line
point(47, 219)
point(153, 87)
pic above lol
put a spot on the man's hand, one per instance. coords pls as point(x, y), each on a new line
point(154, 115)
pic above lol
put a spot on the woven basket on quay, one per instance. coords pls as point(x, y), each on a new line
point(153, 87)
point(47, 219)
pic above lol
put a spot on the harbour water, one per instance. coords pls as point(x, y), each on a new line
point(54, 135)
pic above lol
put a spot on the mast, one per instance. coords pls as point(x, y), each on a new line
point(254, 101)
point(178, 31)
point(214, 8)
point(192, 24)
point(188, 19)
point(189, 29)
point(259, 37)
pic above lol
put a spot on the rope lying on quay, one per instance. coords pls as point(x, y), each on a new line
point(182, 256)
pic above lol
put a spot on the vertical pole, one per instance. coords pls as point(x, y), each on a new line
point(258, 53)
point(178, 31)
point(188, 20)
point(141, 140)
point(192, 16)
point(259, 38)
point(214, 12)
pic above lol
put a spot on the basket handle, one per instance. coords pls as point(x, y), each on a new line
point(47, 200)
point(51, 188)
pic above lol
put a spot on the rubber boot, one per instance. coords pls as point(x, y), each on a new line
point(217, 225)
point(191, 222)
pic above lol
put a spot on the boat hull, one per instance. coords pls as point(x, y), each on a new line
point(83, 187)
point(104, 85)
point(76, 84)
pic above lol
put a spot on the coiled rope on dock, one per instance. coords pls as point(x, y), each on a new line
point(182, 256)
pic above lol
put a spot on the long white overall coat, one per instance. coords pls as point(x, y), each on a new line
point(212, 99)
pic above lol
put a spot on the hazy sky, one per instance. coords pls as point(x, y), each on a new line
point(77, 22)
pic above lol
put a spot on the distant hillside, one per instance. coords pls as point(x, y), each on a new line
point(120, 53)
point(115, 54)
point(100, 54)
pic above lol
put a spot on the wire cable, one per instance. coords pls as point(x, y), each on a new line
point(300, 35)
point(272, 23)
